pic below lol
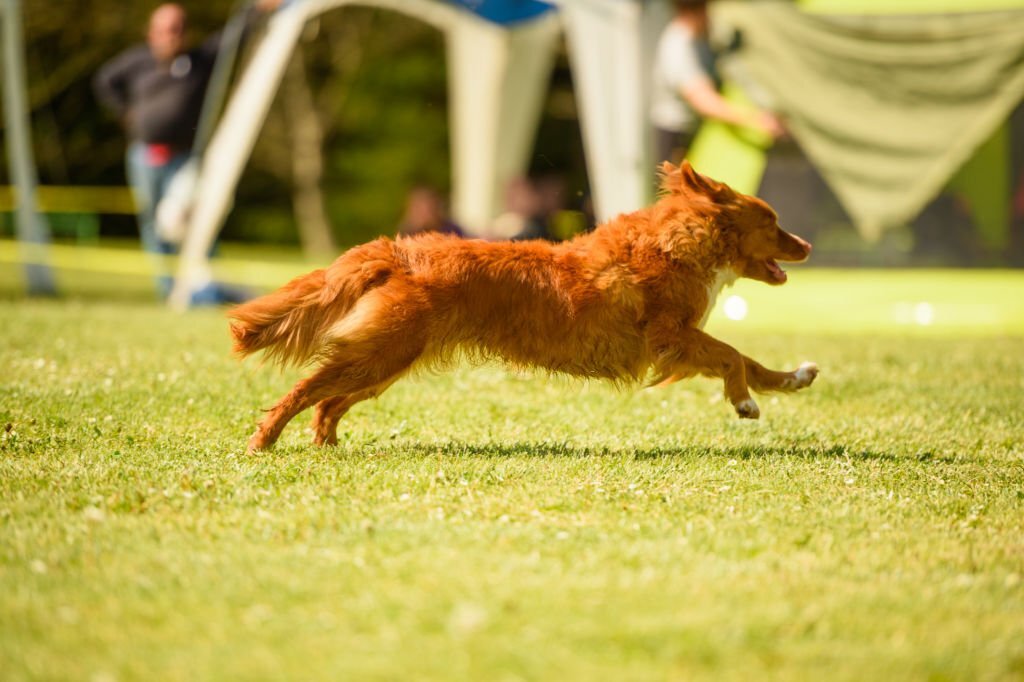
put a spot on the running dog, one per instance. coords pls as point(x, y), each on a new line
point(626, 302)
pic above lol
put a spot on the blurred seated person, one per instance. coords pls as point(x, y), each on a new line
point(522, 218)
point(425, 211)
point(551, 189)
point(684, 86)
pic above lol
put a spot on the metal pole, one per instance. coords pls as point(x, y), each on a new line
point(32, 228)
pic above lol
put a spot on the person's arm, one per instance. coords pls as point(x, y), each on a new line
point(112, 83)
point(701, 94)
point(682, 65)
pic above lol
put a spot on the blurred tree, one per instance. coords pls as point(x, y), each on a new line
point(379, 90)
point(377, 80)
point(76, 142)
point(377, 83)
point(306, 132)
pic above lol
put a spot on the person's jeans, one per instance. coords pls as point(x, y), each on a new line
point(149, 184)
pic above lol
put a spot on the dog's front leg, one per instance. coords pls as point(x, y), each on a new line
point(694, 352)
point(762, 379)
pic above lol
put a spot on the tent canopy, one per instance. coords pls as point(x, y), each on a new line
point(506, 12)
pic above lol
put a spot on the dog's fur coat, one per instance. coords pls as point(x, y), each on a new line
point(625, 302)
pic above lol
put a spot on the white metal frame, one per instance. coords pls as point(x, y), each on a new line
point(498, 78)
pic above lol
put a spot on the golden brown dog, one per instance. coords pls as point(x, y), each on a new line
point(624, 302)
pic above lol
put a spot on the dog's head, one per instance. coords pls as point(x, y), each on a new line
point(746, 227)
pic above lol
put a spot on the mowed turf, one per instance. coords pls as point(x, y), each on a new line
point(487, 525)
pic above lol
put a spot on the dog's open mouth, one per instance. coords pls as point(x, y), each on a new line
point(777, 273)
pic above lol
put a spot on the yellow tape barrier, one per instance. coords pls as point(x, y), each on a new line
point(74, 199)
point(138, 263)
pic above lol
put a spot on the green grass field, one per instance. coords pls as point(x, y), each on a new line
point(487, 525)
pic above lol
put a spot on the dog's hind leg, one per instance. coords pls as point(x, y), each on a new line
point(304, 394)
point(349, 384)
point(365, 352)
point(330, 411)
point(353, 370)
point(762, 379)
point(326, 417)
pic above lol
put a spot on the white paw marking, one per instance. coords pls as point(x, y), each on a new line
point(805, 374)
point(802, 378)
point(748, 409)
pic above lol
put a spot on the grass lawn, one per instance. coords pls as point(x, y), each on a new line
point(485, 525)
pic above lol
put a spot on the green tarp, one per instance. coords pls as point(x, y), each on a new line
point(886, 107)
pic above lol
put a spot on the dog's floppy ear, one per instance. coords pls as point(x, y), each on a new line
point(690, 176)
point(684, 179)
point(702, 184)
point(671, 178)
point(695, 180)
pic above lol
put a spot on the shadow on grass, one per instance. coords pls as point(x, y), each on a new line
point(553, 449)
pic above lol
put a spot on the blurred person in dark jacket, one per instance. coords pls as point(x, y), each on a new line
point(156, 89)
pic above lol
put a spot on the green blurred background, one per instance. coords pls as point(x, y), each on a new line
point(378, 80)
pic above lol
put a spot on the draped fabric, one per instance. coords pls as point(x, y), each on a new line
point(886, 107)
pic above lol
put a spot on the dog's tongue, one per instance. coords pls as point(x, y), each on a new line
point(778, 273)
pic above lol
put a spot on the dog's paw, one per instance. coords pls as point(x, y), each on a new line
point(748, 409)
point(803, 377)
point(806, 373)
point(256, 443)
point(325, 440)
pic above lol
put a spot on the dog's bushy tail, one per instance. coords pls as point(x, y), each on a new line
point(290, 323)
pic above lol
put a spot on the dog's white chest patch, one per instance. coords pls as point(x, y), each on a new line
point(723, 278)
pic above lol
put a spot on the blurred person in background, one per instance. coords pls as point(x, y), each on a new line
point(156, 89)
point(551, 200)
point(522, 218)
point(425, 211)
point(684, 85)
